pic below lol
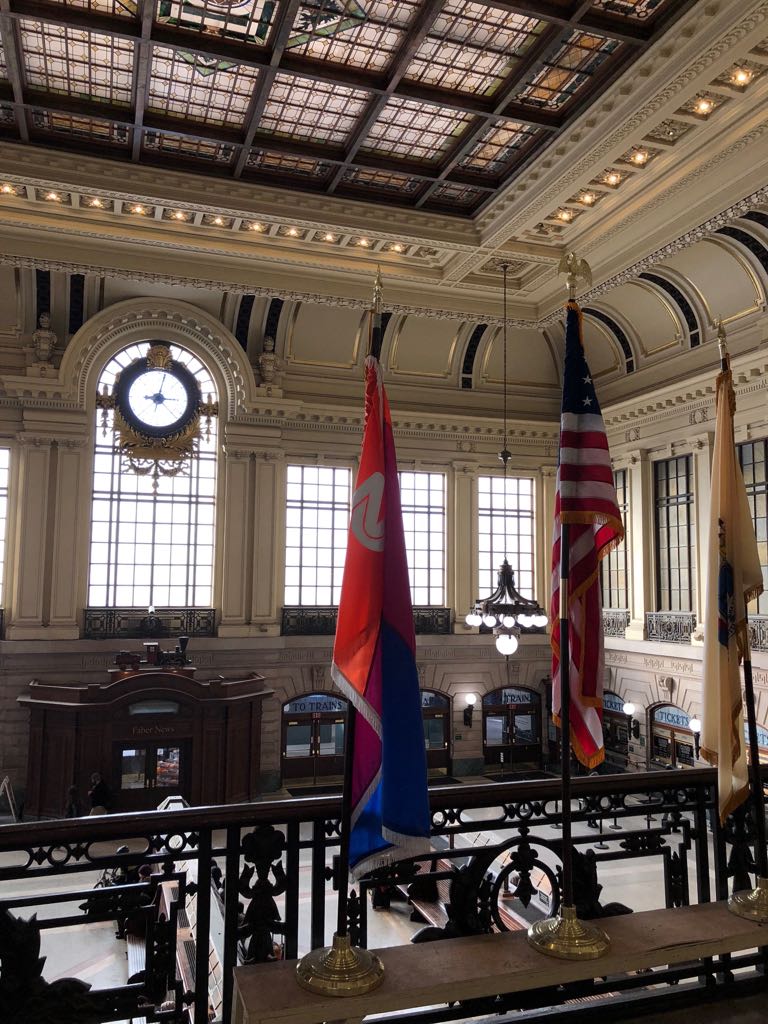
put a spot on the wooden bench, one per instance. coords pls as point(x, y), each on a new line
point(487, 965)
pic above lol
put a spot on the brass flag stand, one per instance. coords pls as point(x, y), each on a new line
point(565, 936)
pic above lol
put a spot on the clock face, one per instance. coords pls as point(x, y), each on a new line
point(158, 399)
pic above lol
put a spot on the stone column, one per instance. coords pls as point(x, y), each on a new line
point(462, 541)
point(27, 544)
point(235, 541)
point(545, 521)
point(639, 529)
point(701, 446)
point(268, 567)
point(71, 491)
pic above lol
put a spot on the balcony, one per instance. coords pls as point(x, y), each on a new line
point(615, 621)
point(670, 627)
point(246, 883)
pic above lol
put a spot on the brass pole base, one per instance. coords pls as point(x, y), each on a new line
point(751, 904)
point(568, 938)
point(340, 970)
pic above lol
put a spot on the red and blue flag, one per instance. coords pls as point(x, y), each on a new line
point(374, 661)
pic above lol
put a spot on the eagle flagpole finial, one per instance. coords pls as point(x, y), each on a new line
point(574, 268)
point(721, 344)
point(378, 292)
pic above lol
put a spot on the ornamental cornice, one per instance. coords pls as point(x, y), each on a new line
point(544, 200)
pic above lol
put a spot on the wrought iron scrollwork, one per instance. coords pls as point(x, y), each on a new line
point(261, 920)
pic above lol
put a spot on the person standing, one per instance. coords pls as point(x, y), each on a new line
point(99, 794)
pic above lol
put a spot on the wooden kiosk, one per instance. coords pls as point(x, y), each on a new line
point(152, 731)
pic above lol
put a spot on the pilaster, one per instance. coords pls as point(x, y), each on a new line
point(463, 541)
point(236, 539)
point(71, 515)
point(27, 589)
point(639, 529)
point(545, 521)
point(269, 534)
point(701, 446)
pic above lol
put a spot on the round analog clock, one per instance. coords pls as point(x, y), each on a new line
point(157, 402)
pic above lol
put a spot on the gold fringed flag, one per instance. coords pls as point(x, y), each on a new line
point(734, 578)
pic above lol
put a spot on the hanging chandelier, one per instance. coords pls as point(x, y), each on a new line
point(506, 611)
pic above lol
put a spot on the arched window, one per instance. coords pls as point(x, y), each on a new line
point(152, 539)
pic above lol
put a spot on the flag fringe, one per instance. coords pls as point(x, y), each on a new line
point(587, 760)
point(414, 846)
point(353, 695)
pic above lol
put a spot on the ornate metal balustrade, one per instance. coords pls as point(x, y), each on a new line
point(304, 621)
point(615, 621)
point(137, 623)
point(230, 878)
point(671, 627)
point(758, 632)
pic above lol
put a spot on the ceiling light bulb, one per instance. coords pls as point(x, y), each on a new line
point(704, 106)
point(179, 215)
point(292, 232)
point(54, 197)
point(613, 178)
point(98, 203)
point(565, 215)
point(218, 221)
point(506, 644)
point(8, 190)
point(640, 157)
point(328, 237)
point(741, 76)
point(138, 208)
point(364, 243)
point(255, 226)
point(588, 198)
point(397, 247)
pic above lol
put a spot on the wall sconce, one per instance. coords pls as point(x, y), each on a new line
point(469, 710)
point(695, 726)
point(633, 727)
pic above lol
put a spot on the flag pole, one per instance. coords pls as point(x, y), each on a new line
point(343, 969)
point(565, 936)
point(754, 902)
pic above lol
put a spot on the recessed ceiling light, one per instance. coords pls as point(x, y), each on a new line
point(54, 197)
point(588, 198)
point(292, 232)
point(98, 203)
point(328, 237)
point(640, 157)
point(218, 221)
point(565, 215)
point(8, 190)
point(741, 76)
point(179, 215)
point(613, 178)
point(363, 242)
point(138, 208)
point(704, 106)
point(255, 226)
point(396, 247)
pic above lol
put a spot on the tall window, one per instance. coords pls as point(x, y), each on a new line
point(675, 550)
point(152, 547)
point(753, 456)
point(317, 517)
point(614, 565)
point(5, 462)
point(505, 529)
point(422, 496)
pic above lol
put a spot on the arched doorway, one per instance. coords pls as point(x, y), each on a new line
point(615, 730)
point(512, 727)
point(436, 718)
point(672, 742)
point(313, 737)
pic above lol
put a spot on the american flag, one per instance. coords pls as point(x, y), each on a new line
point(586, 501)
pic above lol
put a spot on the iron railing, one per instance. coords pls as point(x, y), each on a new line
point(615, 621)
point(321, 621)
point(138, 623)
point(230, 888)
point(670, 627)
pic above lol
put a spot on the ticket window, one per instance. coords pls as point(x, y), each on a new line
point(436, 720)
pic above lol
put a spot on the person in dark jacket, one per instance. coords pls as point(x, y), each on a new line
point(99, 794)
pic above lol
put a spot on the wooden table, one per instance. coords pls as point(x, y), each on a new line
point(488, 965)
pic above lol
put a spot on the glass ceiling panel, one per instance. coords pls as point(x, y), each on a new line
point(472, 48)
point(454, 194)
point(77, 62)
point(184, 85)
point(497, 148)
point(364, 35)
point(568, 71)
point(73, 126)
point(121, 8)
point(300, 108)
point(196, 149)
point(385, 181)
point(636, 10)
point(280, 163)
point(415, 131)
point(248, 21)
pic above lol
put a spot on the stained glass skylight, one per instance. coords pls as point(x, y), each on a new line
point(121, 8)
point(284, 164)
point(76, 62)
point(185, 87)
point(362, 35)
point(195, 149)
point(74, 126)
point(472, 47)
point(301, 108)
point(569, 70)
point(248, 21)
point(637, 10)
point(415, 131)
point(386, 181)
point(451, 193)
point(498, 147)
